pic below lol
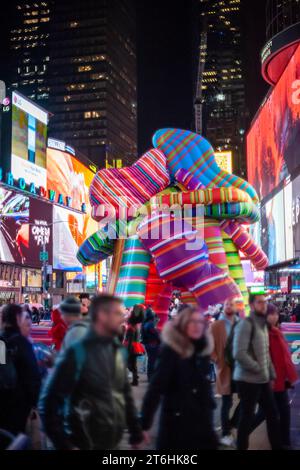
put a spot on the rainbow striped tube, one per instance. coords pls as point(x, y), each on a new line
point(236, 270)
point(245, 243)
point(162, 303)
point(125, 188)
point(134, 271)
point(185, 263)
point(96, 248)
point(188, 180)
point(218, 203)
point(190, 151)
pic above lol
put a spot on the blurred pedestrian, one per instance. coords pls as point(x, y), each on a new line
point(181, 385)
point(254, 372)
point(91, 378)
point(150, 339)
point(19, 374)
point(58, 329)
point(85, 303)
point(71, 312)
point(286, 376)
point(132, 341)
point(222, 331)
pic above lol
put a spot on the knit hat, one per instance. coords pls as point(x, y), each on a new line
point(70, 306)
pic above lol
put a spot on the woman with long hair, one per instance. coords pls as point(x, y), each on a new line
point(181, 384)
point(20, 379)
point(132, 340)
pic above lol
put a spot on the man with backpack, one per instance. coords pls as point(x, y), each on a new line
point(19, 374)
point(86, 404)
point(222, 331)
point(70, 309)
point(254, 372)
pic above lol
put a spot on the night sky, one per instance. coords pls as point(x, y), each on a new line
point(167, 48)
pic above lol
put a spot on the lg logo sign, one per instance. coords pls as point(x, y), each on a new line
point(296, 93)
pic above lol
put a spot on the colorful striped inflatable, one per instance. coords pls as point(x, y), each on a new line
point(183, 260)
point(190, 151)
point(125, 188)
point(134, 271)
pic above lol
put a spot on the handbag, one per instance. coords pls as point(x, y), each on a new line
point(138, 348)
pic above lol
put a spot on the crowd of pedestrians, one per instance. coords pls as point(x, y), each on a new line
point(80, 391)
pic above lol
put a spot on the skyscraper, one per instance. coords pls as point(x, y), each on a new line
point(78, 60)
point(221, 88)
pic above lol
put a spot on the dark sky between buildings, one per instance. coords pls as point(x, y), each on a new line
point(167, 54)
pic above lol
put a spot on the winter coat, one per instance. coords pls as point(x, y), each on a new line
point(181, 380)
point(286, 374)
point(58, 330)
point(251, 351)
point(16, 405)
point(224, 373)
point(149, 333)
point(74, 333)
point(87, 401)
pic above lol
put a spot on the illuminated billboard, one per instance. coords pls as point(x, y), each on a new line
point(224, 160)
point(69, 177)
point(274, 138)
point(70, 229)
point(25, 228)
point(28, 141)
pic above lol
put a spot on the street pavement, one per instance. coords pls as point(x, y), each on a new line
point(258, 439)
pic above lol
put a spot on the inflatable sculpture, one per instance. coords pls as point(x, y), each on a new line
point(138, 205)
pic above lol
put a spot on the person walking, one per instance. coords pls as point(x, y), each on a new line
point(180, 383)
point(150, 339)
point(77, 326)
point(19, 374)
point(132, 341)
point(85, 303)
point(254, 372)
point(286, 376)
point(58, 329)
point(87, 403)
point(222, 331)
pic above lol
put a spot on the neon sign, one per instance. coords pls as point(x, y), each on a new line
point(52, 195)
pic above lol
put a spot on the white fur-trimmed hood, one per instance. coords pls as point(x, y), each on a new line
point(173, 338)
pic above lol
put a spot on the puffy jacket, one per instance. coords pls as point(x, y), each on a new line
point(87, 401)
point(286, 373)
point(251, 351)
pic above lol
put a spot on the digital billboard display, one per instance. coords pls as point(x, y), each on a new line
point(70, 177)
point(272, 229)
point(29, 141)
point(273, 140)
point(25, 224)
point(69, 229)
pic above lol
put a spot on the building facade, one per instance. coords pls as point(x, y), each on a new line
point(78, 60)
point(222, 88)
point(280, 15)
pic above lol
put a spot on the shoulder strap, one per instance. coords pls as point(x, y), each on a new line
point(80, 354)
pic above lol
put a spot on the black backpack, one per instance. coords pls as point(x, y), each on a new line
point(228, 352)
point(8, 372)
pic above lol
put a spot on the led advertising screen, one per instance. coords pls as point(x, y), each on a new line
point(294, 211)
point(273, 140)
point(70, 177)
point(29, 141)
point(272, 229)
point(24, 225)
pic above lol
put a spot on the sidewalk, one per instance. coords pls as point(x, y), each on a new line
point(258, 440)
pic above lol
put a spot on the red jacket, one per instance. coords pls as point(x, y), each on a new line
point(58, 330)
point(281, 358)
